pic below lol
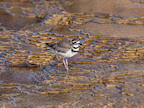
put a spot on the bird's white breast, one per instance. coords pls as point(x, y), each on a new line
point(68, 54)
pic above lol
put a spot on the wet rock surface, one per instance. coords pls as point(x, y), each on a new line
point(108, 71)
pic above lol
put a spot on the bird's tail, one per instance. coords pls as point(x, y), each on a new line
point(49, 45)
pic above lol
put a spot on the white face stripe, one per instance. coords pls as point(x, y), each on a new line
point(78, 42)
point(76, 45)
point(75, 41)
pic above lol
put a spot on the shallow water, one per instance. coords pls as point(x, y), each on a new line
point(107, 72)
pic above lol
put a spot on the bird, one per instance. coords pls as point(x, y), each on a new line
point(65, 48)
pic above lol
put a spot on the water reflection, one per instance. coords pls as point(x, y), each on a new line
point(107, 71)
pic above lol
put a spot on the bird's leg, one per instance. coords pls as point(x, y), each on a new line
point(66, 65)
point(66, 62)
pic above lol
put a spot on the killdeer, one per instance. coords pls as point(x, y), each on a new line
point(65, 48)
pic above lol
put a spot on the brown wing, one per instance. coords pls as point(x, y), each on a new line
point(63, 45)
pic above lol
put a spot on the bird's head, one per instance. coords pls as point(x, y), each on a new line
point(76, 43)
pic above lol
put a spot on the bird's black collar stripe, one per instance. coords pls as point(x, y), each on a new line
point(75, 47)
point(74, 50)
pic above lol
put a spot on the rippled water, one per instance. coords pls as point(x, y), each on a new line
point(107, 72)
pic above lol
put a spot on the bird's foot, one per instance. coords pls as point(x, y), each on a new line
point(67, 77)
